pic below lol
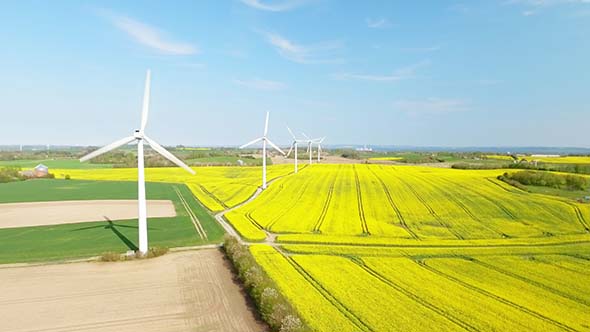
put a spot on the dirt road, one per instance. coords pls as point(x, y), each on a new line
point(184, 291)
point(68, 212)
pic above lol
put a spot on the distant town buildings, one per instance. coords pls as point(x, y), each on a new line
point(365, 149)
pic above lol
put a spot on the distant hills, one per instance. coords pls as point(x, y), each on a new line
point(377, 148)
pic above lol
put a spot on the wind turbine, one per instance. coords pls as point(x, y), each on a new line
point(309, 142)
point(139, 137)
point(294, 144)
point(319, 142)
point(264, 140)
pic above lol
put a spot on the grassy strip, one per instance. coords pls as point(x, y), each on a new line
point(79, 240)
point(274, 308)
point(154, 252)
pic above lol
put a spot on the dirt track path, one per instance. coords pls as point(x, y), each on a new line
point(183, 291)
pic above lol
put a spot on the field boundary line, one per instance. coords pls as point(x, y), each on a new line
point(394, 206)
point(198, 227)
point(359, 199)
point(423, 264)
point(415, 297)
point(328, 296)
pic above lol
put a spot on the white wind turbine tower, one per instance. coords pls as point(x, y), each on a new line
point(309, 142)
point(319, 142)
point(294, 145)
point(139, 137)
point(264, 140)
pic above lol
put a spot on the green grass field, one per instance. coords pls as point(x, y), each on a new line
point(42, 243)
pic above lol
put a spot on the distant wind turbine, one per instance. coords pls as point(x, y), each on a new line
point(310, 142)
point(319, 142)
point(139, 137)
point(264, 140)
point(294, 145)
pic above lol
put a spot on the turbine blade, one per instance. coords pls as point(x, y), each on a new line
point(251, 142)
point(275, 147)
point(108, 148)
point(302, 133)
point(167, 154)
point(290, 149)
point(266, 124)
point(290, 132)
point(308, 147)
point(146, 101)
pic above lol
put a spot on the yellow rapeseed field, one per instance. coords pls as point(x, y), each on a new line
point(386, 158)
point(562, 160)
point(405, 248)
point(377, 201)
point(216, 187)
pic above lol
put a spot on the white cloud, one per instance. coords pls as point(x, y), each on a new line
point(152, 37)
point(380, 23)
point(398, 75)
point(260, 84)
point(431, 106)
point(273, 6)
point(528, 13)
point(316, 53)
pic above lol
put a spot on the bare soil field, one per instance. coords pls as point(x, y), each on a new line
point(185, 291)
point(69, 212)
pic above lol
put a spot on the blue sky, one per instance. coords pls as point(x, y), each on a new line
point(443, 73)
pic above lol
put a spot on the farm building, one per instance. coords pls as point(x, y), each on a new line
point(39, 171)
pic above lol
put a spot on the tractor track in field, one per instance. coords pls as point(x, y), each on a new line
point(431, 210)
point(318, 225)
point(492, 201)
point(210, 194)
point(198, 227)
point(484, 292)
point(580, 216)
point(220, 216)
point(394, 206)
point(357, 321)
point(515, 191)
point(474, 217)
point(294, 202)
point(557, 266)
point(455, 320)
point(577, 211)
point(359, 199)
point(531, 282)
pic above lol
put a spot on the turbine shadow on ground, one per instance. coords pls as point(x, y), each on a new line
point(113, 227)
